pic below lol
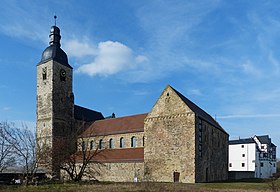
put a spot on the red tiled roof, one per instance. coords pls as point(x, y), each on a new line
point(125, 155)
point(128, 124)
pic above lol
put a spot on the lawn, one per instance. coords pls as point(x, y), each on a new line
point(248, 186)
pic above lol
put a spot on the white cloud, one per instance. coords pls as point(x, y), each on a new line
point(201, 65)
point(77, 48)
point(6, 108)
point(267, 95)
point(194, 92)
point(140, 92)
point(141, 59)
point(249, 68)
point(274, 62)
point(21, 22)
point(111, 58)
point(238, 116)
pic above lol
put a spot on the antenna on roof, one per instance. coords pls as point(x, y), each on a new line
point(54, 19)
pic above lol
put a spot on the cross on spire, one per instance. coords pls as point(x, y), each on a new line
point(54, 19)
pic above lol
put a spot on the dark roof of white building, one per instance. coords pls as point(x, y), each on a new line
point(241, 141)
point(264, 139)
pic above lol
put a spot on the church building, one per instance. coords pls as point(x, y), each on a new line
point(176, 141)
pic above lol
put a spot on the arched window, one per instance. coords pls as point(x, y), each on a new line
point(83, 146)
point(133, 141)
point(91, 145)
point(111, 143)
point(122, 142)
point(100, 144)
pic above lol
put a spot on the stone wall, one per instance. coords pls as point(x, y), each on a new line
point(44, 109)
point(55, 102)
point(170, 140)
point(212, 155)
point(180, 145)
point(116, 140)
point(115, 172)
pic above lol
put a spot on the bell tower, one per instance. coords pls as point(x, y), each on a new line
point(55, 103)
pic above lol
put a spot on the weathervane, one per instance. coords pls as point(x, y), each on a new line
point(54, 19)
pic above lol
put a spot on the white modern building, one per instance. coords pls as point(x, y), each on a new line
point(252, 158)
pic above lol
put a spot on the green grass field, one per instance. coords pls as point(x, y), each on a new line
point(248, 186)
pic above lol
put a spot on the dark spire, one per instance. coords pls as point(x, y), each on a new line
point(54, 52)
point(55, 36)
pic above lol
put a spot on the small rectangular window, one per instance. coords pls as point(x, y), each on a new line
point(83, 146)
point(243, 164)
point(100, 144)
point(44, 73)
point(243, 155)
point(261, 164)
point(91, 145)
point(200, 150)
point(133, 141)
point(242, 146)
point(230, 165)
point(122, 142)
point(111, 143)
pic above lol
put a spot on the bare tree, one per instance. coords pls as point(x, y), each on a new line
point(76, 165)
point(23, 144)
point(7, 158)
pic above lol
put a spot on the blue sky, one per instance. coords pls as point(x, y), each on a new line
point(222, 55)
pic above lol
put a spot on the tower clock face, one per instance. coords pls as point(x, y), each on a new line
point(62, 75)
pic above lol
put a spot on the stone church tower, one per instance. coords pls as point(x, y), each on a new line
point(55, 102)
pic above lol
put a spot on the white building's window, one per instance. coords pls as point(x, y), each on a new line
point(230, 164)
point(243, 165)
point(243, 155)
point(242, 146)
point(133, 141)
point(111, 143)
point(122, 142)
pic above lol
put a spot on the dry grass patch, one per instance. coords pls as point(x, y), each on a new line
point(145, 187)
